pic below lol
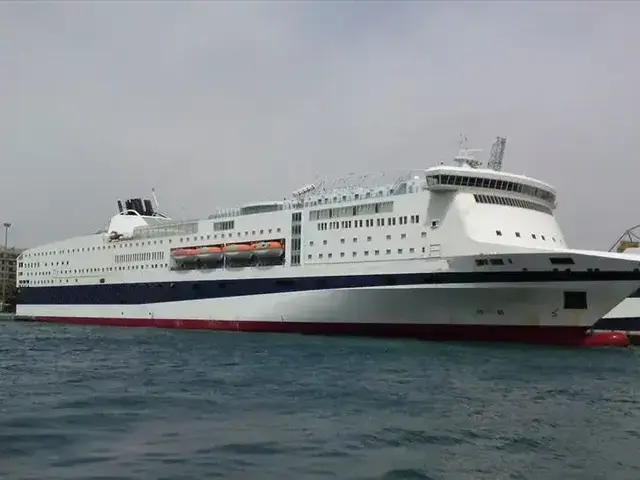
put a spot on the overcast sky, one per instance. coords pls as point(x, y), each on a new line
point(220, 103)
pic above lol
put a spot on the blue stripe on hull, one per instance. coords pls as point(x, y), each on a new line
point(159, 292)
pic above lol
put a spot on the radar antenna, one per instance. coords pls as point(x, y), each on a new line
point(497, 154)
point(465, 155)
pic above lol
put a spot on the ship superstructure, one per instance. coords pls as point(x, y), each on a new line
point(448, 252)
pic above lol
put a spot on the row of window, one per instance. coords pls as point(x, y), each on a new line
point(403, 236)
point(480, 262)
point(491, 183)
point(170, 230)
point(366, 209)
point(366, 253)
point(224, 225)
point(511, 202)
point(368, 222)
point(533, 236)
point(33, 274)
point(87, 271)
point(37, 264)
point(139, 257)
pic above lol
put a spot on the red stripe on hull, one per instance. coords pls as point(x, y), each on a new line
point(569, 336)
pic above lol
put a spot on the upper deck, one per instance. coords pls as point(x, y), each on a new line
point(384, 217)
point(350, 189)
point(137, 219)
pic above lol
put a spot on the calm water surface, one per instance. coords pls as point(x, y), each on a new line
point(98, 403)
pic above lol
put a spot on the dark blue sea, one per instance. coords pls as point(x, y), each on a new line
point(112, 403)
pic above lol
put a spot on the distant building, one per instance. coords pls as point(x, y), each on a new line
point(8, 258)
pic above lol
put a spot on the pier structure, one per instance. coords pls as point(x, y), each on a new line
point(8, 261)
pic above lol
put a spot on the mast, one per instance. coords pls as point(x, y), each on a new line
point(465, 155)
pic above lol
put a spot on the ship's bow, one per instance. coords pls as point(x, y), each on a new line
point(586, 289)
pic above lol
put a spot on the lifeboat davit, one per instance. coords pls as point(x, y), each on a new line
point(184, 255)
point(268, 249)
point(238, 251)
point(209, 254)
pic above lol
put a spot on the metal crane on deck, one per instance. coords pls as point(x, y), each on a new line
point(497, 154)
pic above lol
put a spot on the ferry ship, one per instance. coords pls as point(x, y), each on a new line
point(463, 251)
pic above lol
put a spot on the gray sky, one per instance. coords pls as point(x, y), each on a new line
point(221, 103)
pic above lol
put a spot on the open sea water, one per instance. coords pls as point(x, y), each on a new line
point(112, 403)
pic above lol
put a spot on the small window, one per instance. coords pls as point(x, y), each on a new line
point(575, 300)
point(561, 261)
point(481, 261)
point(518, 234)
point(498, 233)
point(496, 261)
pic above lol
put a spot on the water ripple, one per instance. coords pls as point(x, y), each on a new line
point(98, 403)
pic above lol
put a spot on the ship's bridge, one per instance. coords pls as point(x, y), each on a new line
point(447, 178)
point(261, 207)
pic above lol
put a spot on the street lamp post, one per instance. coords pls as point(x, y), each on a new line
point(5, 272)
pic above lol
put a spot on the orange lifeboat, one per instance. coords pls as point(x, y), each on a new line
point(184, 254)
point(238, 251)
point(209, 254)
point(268, 249)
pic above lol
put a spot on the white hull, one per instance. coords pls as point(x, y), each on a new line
point(536, 305)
